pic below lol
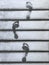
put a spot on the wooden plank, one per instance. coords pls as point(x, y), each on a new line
point(22, 4)
point(25, 25)
point(18, 45)
point(25, 35)
point(23, 15)
point(19, 56)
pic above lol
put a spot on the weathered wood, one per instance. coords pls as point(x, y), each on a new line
point(25, 25)
point(19, 56)
point(23, 15)
point(18, 46)
point(25, 35)
point(22, 4)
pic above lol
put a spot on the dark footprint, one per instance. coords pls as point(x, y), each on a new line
point(15, 25)
point(15, 36)
point(25, 47)
point(24, 59)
